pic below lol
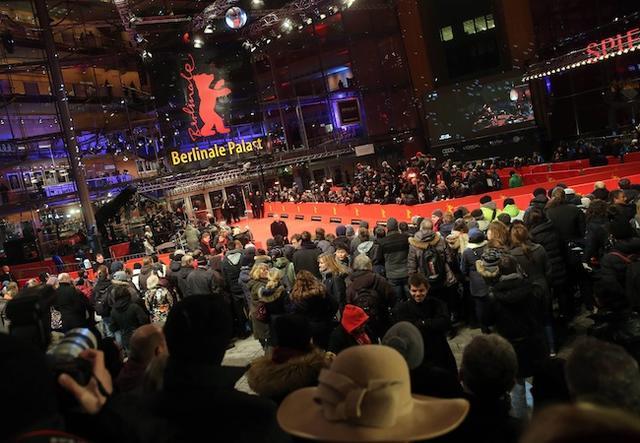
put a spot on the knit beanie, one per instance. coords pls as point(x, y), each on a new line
point(405, 338)
point(341, 230)
point(353, 317)
point(120, 276)
point(476, 235)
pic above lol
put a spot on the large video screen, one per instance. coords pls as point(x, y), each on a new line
point(473, 109)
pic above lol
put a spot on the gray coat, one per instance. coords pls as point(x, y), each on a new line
point(470, 256)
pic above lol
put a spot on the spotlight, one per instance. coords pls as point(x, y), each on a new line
point(146, 55)
point(257, 3)
point(198, 42)
point(208, 29)
point(287, 25)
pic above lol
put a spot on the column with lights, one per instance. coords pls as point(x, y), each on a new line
point(66, 122)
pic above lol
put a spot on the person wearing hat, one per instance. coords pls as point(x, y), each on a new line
point(431, 316)
point(514, 313)
point(293, 362)
point(571, 197)
point(392, 254)
point(352, 330)
point(341, 238)
point(366, 397)
point(426, 378)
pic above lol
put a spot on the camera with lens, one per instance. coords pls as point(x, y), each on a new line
point(64, 357)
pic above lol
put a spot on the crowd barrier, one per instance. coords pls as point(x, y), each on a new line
point(372, 213)
point(567, 165)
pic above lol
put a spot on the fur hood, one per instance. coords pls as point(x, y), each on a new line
point(418, 242)
point(275, 381)
point(471, 245)
point(486, 273)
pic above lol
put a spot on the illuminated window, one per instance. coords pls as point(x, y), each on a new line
point(490, 23)
point(446, 34)
point(481, 24)
point(468, 27)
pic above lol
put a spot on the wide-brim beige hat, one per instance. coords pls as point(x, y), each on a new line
point(365, 397)
point(301, 416)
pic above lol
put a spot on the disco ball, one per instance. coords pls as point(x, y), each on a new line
point(235, 17)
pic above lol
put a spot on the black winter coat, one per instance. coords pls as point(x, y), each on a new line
point(181, 279)
point(200, 282)
point(611, 278)
point(545, 235)
point(473, 253)
point(379, 318)
point(340, 340)
point(488, 421)
point(513, 312)
point(126, 317)
point(392, 253)
point(306, 258)
point(320, 310)
point(595, 239)
point(231, 268)
point(279, 228)
point(73, 306)
point(181, 412)
point(568, 220)
point(431, 317)
point(336, 288)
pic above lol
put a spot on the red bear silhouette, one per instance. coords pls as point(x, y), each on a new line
point(208, 98)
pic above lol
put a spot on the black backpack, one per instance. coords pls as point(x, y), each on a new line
point(367, 299)
point(101, 301)
point(433, 266)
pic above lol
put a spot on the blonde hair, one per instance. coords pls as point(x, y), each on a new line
point(257, 269)
point(333, 265)
point(273, 280)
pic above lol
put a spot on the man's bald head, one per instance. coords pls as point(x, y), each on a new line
point(147, 342)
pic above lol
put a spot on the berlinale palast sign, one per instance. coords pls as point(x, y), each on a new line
point(204, 121)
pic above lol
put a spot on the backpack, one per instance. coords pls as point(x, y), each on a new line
point(101, 301)
point(632, 278)
point(433, 266)
point(366, 298)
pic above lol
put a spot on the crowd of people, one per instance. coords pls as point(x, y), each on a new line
point(355, 326)
point(423, 179)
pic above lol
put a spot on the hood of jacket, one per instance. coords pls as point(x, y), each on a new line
point(482, 244)
point(542, 227)
point(511, 288)
point(276, 380)
point(365, 247)
point(122, 302)
point(233, 257)
point(281, 263)
point(425, 239)
point(271, 295)
point(519, 252)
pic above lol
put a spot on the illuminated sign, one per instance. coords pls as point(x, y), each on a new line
point(216, 151)
point(349, 112)
point(619, 43)
point(199, 86)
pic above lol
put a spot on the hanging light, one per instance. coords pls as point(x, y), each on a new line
point(208, 29)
